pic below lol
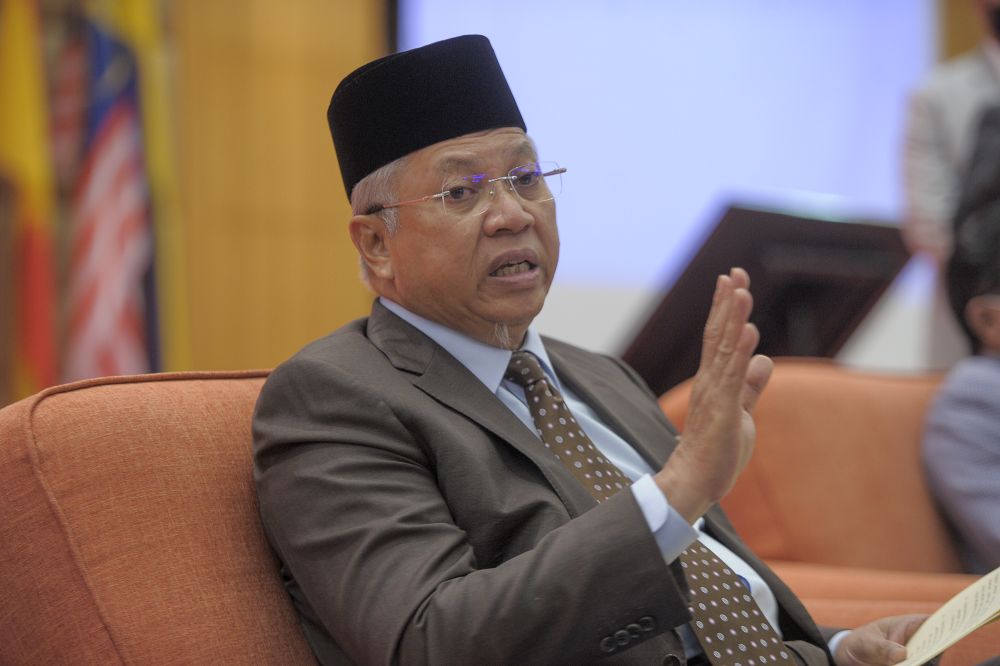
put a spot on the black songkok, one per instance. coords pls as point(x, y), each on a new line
point(410, 100)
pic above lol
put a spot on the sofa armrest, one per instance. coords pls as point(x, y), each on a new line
point(129, 530)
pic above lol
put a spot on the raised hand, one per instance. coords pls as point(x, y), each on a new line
point(719, 431)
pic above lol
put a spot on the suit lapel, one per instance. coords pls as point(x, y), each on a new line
point(441, 376)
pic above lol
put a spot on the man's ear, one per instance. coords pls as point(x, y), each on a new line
point(368, 233)
point(982, 314)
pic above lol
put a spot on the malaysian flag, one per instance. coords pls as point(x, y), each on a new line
point(110, 325)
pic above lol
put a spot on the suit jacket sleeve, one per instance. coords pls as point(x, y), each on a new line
point(961, 456)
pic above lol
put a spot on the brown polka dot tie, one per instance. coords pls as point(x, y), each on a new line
point(560, 432)
point(729, 625)
point(728, 622)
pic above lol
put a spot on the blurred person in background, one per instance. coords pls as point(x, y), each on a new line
point(941, 133)
point(961, 451)
point(941, 128)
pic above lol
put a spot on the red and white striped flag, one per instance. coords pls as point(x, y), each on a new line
point(111, 244)
point(69, 102)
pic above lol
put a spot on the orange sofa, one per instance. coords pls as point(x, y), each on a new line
point(129, 530)
point(835, 499)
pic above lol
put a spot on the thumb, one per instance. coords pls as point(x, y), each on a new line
point(896, 653)
point(758, 374)
point(903, 631)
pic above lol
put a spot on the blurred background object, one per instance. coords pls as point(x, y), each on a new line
point(817, 280)
point(943, 117)
point(6, 289)
point(25, 164)
point(173, 200)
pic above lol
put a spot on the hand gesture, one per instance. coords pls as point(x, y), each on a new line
point(719, 432)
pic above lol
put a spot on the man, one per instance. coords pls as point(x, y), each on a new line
point(961, 452)
point(436, 498)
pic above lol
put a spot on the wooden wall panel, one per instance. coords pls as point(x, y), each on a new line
point(959, 27)
point(270, 264)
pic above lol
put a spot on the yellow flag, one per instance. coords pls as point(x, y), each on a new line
point(26, 163)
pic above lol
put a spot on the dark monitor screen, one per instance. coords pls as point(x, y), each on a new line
point(813, 281)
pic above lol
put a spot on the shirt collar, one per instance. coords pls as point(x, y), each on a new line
point(486, 362)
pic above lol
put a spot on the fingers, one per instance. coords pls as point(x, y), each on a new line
point(734, 333)
point(741, 279)
point(882, 652)
point(867, 650)
point(904, 627)
point(879, 642)
point(888, 652)
point(729, 339)
point(721, 303)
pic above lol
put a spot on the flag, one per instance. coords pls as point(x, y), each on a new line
point(69, 100)
point(25, 163)
point(6, 292)
point(111, 324)
point(140, 25)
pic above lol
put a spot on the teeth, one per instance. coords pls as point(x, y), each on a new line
point(512, 269)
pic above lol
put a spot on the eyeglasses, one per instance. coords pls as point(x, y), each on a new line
point(469, 196)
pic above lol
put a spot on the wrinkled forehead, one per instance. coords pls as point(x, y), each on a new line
point(493, 152)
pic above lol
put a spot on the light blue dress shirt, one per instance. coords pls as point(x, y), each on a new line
point(672, 533)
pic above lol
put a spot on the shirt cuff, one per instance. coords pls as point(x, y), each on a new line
point(672, 533)
point(835, 640)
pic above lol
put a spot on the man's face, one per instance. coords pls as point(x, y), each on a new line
point(474, 272)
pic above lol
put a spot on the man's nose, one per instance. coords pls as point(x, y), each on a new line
point(507, 211)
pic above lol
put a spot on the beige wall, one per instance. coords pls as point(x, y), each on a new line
point(269, 263)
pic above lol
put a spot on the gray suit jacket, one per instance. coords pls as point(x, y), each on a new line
point(419, 521)
point(961, 457)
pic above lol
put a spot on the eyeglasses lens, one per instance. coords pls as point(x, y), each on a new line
point(471, 195)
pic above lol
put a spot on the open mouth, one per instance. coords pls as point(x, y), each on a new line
point(513, 268)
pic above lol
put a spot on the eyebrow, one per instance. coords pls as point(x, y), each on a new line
point(470, 162)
